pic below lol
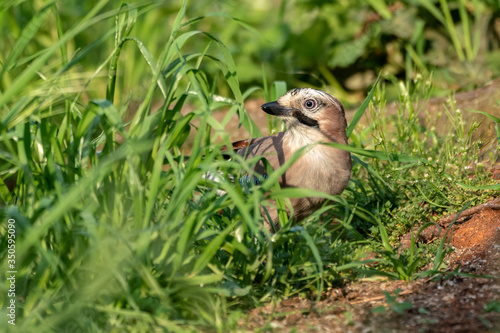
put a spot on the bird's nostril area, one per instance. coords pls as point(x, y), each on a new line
point(272, 108)
point(269, 106)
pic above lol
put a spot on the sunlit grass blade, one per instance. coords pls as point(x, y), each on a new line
point(24, 78)
point(27, 34)
point(483, 187)
point(438, 260)
point(361, 110)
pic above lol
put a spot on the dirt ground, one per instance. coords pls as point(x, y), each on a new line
point(455, 303)
point(450, 304)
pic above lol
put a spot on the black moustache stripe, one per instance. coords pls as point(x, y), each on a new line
point(303, 119)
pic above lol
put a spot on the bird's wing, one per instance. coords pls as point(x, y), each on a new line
point(237, 145)
point(269, 147)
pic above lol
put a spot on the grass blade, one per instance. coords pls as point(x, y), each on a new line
point(361, 110)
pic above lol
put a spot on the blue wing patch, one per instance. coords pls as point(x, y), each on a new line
point(246, 180)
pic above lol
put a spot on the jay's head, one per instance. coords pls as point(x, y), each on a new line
point(310, 110)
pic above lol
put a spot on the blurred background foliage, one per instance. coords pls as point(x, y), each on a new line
point(339, 46)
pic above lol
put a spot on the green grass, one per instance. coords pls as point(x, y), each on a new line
point(134, 238)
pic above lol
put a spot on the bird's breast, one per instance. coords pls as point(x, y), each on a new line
point(321, 168)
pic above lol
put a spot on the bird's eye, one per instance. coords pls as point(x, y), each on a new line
point(310, 103)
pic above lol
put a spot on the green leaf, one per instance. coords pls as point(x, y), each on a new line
point(211, 248)
point(27, 75)
point(493, 118)
point(438, 260)
point(27, 34)
point(379, 154)
point(379, 309)
point(278, 89)
point(381, 8)
point(317, 257)
point(484, 187)
point(357, 116)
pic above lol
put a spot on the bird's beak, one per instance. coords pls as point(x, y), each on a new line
point(273, 108)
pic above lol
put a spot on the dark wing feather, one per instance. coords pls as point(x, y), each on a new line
point(237, 146)
point(240, 144)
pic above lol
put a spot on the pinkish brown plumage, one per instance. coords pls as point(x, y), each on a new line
point(311, 116)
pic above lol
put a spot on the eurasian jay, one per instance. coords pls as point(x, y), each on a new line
point(311, 116)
